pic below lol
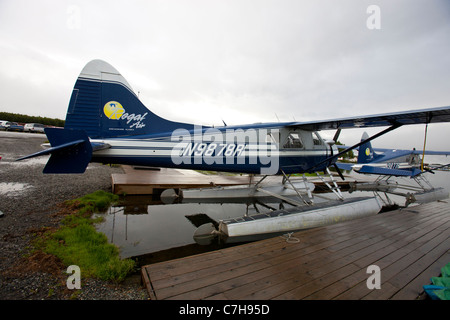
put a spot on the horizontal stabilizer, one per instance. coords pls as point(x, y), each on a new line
point(368, 169)
point(52, 149)
point(407, 172)
point(70, 151)
point(71, 158)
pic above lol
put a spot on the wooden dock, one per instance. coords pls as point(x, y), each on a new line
point(409, 246)
point(139, 181)
point(149, 181)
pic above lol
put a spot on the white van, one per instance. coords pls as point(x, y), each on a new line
point(34, 127)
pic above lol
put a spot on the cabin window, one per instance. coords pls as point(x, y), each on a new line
point(293, 141)
point(316, 139)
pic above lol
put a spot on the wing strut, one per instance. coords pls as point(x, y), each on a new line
point(329, 159)
point(424, 144)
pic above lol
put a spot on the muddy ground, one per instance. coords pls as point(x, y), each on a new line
point(30, 202)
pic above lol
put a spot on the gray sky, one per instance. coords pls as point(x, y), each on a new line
point(241, 61)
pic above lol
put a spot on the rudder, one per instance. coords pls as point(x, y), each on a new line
point(365, 151)
point(104, 105)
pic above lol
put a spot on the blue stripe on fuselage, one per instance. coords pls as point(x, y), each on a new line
point(289, 164)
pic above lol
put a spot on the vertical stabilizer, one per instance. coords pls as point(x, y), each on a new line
point(104, 106)
point(365, 151)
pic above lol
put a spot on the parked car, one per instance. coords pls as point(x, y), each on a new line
point(34, 127)
point(13, 126)
point(2, 125)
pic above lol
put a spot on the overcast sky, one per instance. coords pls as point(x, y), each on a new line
point(241, 61)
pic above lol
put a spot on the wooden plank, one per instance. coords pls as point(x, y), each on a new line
point(415, 288)
point(188, 264)
point(274, 257)
point(400, 246)
point(148, 181)
point(382, 257)
point(306, 238)
point(148, 284)
point(208, 260)
point(408, 268)
point(304, 289)
point(282, 265)
point(418, 267)
point(327, 263)
point(314, 266)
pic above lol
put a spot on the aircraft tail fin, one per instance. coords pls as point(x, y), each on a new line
point(104, 106)
point(366, 154)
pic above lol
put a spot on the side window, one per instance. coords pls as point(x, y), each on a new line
point(316, 139)
point(293, 141)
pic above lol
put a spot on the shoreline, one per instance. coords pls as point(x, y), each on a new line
point(32, 206)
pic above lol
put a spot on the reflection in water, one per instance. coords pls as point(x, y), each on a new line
point(141, 229)
point(143, 226)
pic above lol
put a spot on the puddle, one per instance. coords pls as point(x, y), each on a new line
point(13, 189)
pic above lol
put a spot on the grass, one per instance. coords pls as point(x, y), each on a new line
point(77, 242)
point(97, 201)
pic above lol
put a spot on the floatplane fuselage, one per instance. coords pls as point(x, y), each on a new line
point(252, 150)
point(107, 123)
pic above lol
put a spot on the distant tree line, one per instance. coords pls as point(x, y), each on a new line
point(348, 155)
point(22, 118)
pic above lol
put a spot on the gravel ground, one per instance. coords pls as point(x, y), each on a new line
point(29, 201)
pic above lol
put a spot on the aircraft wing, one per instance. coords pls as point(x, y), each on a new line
point(390, 154)
point(406, 152)
point(431, 115)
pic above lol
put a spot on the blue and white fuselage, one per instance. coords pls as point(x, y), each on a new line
point(107, 123)
point(228, 149)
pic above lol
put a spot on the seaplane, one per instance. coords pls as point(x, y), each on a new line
point(387, 164)
point(388, 161)
point(107, 123)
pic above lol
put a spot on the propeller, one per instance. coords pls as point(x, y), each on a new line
point(331, 143)
point(394, 126)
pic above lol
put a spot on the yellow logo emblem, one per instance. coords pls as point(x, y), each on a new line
point(113, 110)
point(367, 151)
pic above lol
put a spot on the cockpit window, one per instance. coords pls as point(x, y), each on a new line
point(293, 141)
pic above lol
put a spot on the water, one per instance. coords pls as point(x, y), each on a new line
point(140, 227)
point(13, 189)
point(137, 230)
